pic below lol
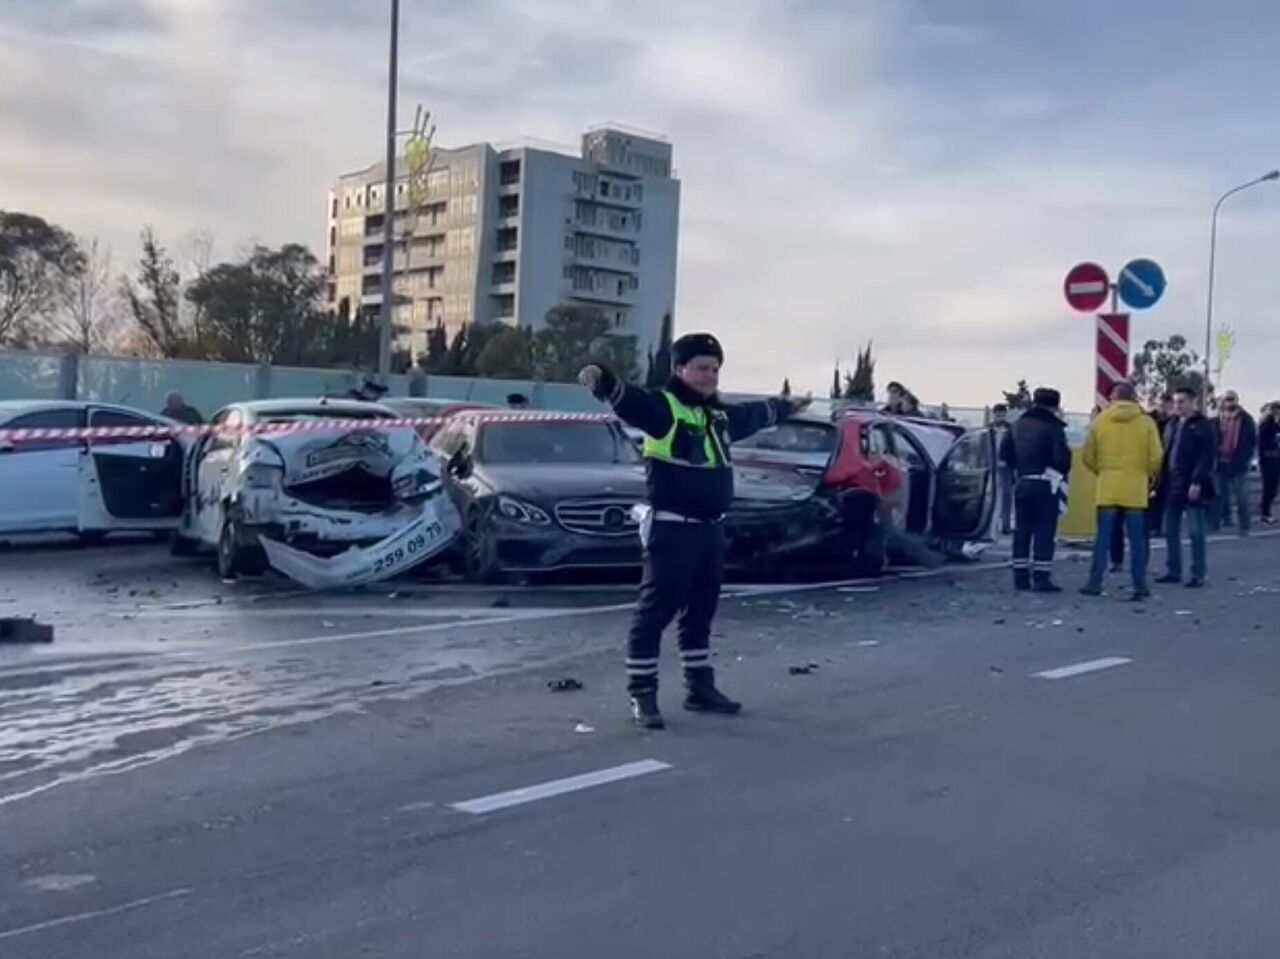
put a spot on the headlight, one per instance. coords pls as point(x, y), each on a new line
point(261, 476)
point(521, 512)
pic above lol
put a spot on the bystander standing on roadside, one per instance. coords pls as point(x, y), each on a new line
point(1123, 449)
point(1036, 449)
point(176, 408)
point(418, 378)
point(1269, 457)
point(1236, 436)
point(1187, 478)
point(1004, 472)
point(1163, 416)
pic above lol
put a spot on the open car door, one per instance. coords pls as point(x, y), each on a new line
point(965, 502)
point(128, 484)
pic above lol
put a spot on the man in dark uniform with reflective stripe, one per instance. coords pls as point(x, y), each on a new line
point(1036, 449)
point(688, 430)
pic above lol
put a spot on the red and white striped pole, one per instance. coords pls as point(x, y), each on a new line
point(1111, 355)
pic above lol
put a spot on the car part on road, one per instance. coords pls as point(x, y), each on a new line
point(24, 631)
point(567, 685)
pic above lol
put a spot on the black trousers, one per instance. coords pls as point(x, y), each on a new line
point(683, 571)
point(1036, 528)
point(1270, 466)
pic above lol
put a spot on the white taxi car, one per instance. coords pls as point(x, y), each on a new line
point(319, 489)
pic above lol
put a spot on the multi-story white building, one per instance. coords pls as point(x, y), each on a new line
point(504, 235)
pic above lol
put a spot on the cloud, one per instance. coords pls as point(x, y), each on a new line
point(915, 173)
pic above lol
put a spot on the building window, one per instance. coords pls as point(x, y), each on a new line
point(635, 283)
point(507, 239)
point(509, 173)
point(333, 208)
point(504, 273)
point(438, 181)
point(508, 206)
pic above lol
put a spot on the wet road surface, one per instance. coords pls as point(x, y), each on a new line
point(927, 768)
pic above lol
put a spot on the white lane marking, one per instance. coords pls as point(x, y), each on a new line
point(398, 610)
point(93, 914)
point(1079, 669)
point(558, 787)
point(60, 883)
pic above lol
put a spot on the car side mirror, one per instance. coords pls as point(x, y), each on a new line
point(460, 464)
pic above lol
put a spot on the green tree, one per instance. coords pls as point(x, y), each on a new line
point(837, 390)
point(786, 386)
point(861, 386)
point(37, 262)
point(264, 309)
point(1164, 365)
point(575, 335)
point(659, 370)
point(154, 297)
point(508, 355)
point(1019, 398)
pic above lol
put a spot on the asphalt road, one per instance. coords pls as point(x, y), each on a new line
point(220, 771)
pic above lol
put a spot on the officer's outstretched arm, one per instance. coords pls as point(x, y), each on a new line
point(744, 419)
point(644, 409)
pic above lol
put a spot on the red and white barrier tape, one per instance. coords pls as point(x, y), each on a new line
point(282, 426)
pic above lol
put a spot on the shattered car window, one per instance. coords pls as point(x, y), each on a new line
point(793, 438)
point(553, 443)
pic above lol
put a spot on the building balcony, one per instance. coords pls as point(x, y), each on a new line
point(602, 228)
point(610, 296)
point(501, 289)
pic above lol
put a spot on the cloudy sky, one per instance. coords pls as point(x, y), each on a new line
point(920, 173)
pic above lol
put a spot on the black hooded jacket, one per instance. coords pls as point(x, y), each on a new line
point(693, 492)
point(1035, 443)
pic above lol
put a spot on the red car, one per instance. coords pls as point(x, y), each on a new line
point(925, 477)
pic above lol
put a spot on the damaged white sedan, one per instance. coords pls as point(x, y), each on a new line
point(318, 489)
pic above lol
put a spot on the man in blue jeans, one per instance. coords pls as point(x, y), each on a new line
point(1123, 450)
point(1190, 457)
point(1236, 436)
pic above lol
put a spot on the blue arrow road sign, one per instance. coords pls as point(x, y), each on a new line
point(1141, 284)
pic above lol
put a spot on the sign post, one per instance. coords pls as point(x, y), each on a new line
point(1140, 285)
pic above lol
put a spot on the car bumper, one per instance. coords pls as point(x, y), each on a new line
point(523, 548)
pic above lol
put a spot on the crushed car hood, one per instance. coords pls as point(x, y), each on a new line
point(309, 457)
point(756, 487)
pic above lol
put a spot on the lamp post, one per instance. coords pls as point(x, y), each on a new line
point(388, 203)
point(1213, 256)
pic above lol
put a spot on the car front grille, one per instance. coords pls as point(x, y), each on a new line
point(597, 517)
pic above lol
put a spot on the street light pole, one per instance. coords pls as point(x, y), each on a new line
point(1213, 257)
point(389, 203)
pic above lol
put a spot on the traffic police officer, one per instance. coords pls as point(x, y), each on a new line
point(688, 430)
point(1036, 449)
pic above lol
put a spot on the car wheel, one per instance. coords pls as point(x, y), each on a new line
point(234, 559)
point(480, 548)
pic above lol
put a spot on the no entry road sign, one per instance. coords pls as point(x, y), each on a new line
point(1141, 284)
point(1086, 287)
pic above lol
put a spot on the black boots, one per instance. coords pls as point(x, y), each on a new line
point(644, 710)
point(703, 697)
point(1022, 580)
point(1043, 584)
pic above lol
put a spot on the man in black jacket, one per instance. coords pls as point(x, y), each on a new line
point(1269, 458)
point(1036, 450)
point(688, 431)
point(1187, 480)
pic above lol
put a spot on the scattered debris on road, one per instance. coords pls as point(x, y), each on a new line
point(584, 728)
point(566, 685)
point(804, 670)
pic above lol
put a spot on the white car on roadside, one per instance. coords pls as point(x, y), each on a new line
point(319, 489)
point(86, 486)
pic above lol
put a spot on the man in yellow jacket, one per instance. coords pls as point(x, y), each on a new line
point(1124, 450)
